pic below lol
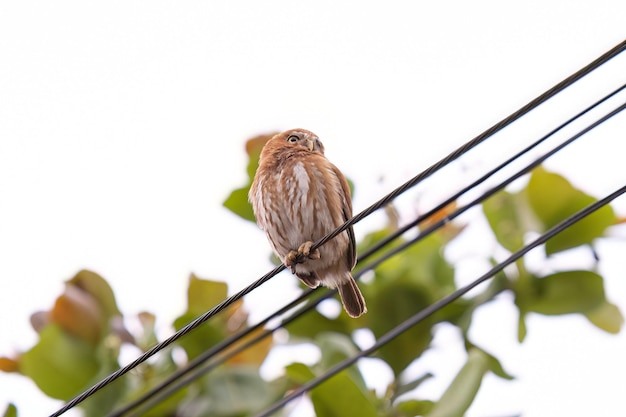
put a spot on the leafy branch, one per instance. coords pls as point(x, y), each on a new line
point(81, 336)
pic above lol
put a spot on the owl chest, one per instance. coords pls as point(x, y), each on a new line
point(301, 209)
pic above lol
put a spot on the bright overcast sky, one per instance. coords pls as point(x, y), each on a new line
point(122, 126)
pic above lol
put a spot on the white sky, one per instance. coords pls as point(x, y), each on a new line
point(122, 126)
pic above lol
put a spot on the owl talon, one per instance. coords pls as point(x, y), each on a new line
point(300, 256)
point(291, 260)
point(305, 250)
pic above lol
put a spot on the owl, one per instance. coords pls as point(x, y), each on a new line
point(298, 197)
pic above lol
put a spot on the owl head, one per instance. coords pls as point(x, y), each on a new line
point(301, 138)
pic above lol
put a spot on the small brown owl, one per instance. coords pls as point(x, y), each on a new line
point(298, 197)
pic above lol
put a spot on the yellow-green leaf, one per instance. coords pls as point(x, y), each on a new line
point(11, 411)
point(459, 396)
point(336, 348)
point(399, 300)
point(553, 199)
point(522, 331)
point(411, 408)
point(340, 396)
point(493, 363)
point(237, 201)
point(566, 292)
point(299, 372)
point(203, 295)
point(60, 364)
point(99, 288)
point(237, 391)
point(606, 317)
point(503, 214)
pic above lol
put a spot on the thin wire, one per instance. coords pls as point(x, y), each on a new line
point(433, 308)
point(381, 203)
point(619, 48)
point(171, 385)
point(503, 184)
point(208, 354)
point(384, 242)
point(165, 384)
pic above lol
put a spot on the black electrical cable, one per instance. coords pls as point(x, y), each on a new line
point(619, 48)
point(165, 385)
point(385, 241)
point(423, 314)
point(381, 203)
point(206, 355)
point(172, 385)
point(500, 186)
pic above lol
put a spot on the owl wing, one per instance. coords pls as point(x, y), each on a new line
point(346, 209)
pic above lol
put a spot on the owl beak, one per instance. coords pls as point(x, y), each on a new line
point(310, 144)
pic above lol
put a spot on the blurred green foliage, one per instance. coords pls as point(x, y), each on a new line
point(81, 336)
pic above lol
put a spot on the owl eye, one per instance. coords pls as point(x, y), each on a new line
point(292, 138)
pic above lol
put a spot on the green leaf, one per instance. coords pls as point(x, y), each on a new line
point(299, 372)
point(344, 394)
point(606, 317)
point(148, 377)
point(168, 406)
point(335, 348)
point(493, 363)
point(102, 402)
point(522, 330)
point(459, 396)
point(553, 199)
point(566, 292)
point(503, 212)
point(399, 301)
point(99, 288)
point(202, 295)
point(236, 391)
point(61, 365)
point(238, 203)
point(11, 411)
point(404, 285)
point(341, 396)
point(402, 388)
point(413, 408)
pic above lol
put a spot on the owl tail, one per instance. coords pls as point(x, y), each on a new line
point(351, 297)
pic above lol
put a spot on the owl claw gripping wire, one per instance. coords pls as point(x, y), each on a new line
point(297, 257)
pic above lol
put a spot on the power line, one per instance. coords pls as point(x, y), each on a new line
point(172, 385)
point(381, 203)
point(208, 354)
point(433, 308)
point(455, 196)
point(607, 56)
point(169, 385)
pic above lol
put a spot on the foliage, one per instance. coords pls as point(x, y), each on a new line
point(81, 336)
